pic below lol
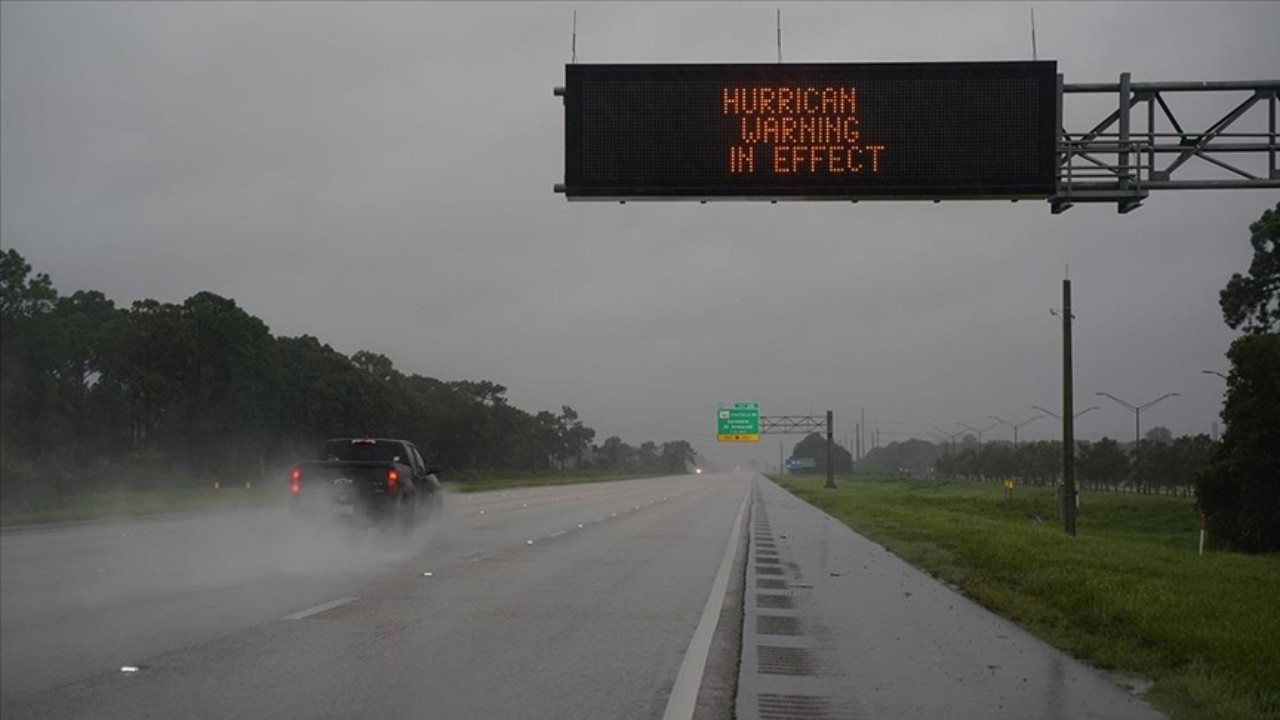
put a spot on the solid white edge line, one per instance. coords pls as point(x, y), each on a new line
point(684, 694)
point(319, 608)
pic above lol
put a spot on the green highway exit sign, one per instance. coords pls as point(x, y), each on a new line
point(739, 422)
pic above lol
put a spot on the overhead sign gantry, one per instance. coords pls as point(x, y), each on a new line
point(922, 131)
point(823, 131)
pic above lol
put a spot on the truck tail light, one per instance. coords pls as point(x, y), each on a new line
point(393, 482)
point(295, 481)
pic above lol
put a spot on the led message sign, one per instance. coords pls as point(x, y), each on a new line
point(904, 130)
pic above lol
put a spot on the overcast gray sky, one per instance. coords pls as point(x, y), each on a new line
point(380, 176)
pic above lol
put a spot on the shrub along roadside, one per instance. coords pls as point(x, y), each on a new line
point(1128, 594)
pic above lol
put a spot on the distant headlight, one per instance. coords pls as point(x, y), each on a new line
point(698, 471)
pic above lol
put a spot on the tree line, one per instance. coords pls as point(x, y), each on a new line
point(93, 395)
point(1160, 464)
point(1163, 464)
point(1239, 490)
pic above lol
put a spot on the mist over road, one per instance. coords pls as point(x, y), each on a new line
point(572, 601)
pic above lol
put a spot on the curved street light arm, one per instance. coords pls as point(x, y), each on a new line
point(1153, 402)
point(1048, 412)
point(1131, 408)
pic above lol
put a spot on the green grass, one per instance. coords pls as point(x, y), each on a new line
point(1129, 593)
point(134, 503)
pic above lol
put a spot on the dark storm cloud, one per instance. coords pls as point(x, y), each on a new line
point(380, 176)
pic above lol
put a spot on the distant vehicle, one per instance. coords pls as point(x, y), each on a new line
point(377, 480)
point(697, 471)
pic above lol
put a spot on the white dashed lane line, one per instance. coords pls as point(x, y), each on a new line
point(319, 608)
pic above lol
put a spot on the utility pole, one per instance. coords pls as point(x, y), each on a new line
point(831, 477)
point(1068, 418)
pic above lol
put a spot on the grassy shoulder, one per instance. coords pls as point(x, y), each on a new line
point(1129, 593)
point(140, 503)
point(135, 503)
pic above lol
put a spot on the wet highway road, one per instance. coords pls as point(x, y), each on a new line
point(576, 601)
point(835, 626)
point(587, 601)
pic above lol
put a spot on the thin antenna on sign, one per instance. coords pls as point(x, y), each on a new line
point(779, 35)
point(573, 44)
point(1034, 56)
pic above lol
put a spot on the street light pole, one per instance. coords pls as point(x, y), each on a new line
point(973, 429)
point(1225, 378)
point(952, 436)
point(1137, 427)
point(1015, 427)
point(1058, 417)
point(987, 429)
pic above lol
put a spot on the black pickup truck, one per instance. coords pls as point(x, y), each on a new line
point(367, 479)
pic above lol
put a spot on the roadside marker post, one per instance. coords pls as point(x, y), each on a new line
point(1204, 522)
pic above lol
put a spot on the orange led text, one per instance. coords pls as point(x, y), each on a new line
point(806, 129)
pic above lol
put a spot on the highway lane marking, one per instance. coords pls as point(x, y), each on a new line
point(486, 556)
point(684, 694)
point(319, 608)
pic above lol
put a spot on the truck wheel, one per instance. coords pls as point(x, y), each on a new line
point(406, 513)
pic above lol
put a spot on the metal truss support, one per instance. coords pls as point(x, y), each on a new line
point(791, 424)
point(803, 425)
point(1125, 164)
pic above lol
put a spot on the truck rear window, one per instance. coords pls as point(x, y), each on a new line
point(345, 451)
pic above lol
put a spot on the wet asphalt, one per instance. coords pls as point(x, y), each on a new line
point(837, 627)
point(503, 608)
point(568, 602)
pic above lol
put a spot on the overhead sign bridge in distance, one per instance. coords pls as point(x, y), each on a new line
point(739, 422)
point(810, 132)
